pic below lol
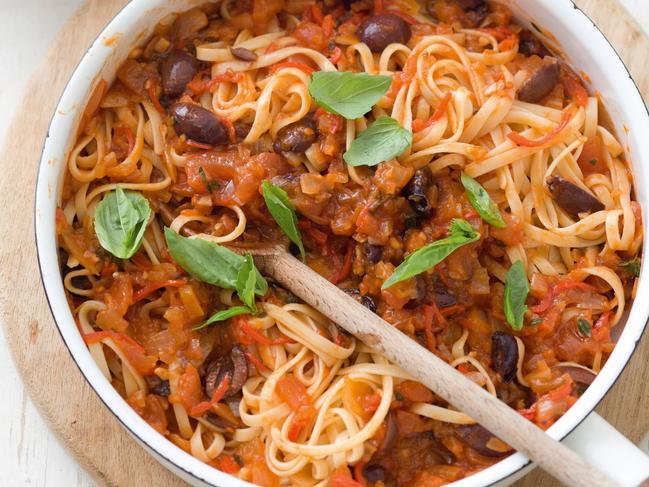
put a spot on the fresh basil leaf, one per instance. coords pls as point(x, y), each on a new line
point(385, 139)
point(120, 221)
point(481, 201)
point(246, 281)
point(209, 262)
point(516, 289)
point(461, 233)
point(350, 95)
point(223, 315)
point(631, 266)
point(583, 326)
point(283, 211)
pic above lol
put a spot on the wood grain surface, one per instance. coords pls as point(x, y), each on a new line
point(69, 406)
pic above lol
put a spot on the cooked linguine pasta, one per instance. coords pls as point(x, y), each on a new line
point(462, 183)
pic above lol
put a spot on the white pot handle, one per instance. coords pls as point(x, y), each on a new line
point(604, 446)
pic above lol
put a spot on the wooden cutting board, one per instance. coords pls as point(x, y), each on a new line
point(70, 407)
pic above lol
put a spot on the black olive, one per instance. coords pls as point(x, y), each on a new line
point(374, 472)
point(478, 438)
point(243, 54)
point(81, 282)
point(177, 69)
point(373, 252)
point(198, 124)
point(379, 31)
point(416, 191)
point(470, 4)
point(366, 301)
point(158, 386)
point(504, 355)
point(529, 45)
point(571, 197)
point(296, 137)
point(241, 130)
point(443, 297)
point(168, 215)
point(233, 364)
point(540, 84)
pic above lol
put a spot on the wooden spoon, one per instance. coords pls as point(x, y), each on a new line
point(501, 420)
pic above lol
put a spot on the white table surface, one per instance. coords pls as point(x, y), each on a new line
point(29, 454)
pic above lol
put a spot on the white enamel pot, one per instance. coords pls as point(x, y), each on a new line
point(584, 46)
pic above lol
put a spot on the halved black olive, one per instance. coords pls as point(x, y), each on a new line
point(177, 69)
point(296, 137)
point(233, 364)
point(379, 31)
point(479, 438)
point(416, 191)
point(198, 124)
point(571, 197)
point(504, 355)
point(540, 84)
point(158, 386)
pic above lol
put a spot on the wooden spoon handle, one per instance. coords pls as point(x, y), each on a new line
point(440, 377)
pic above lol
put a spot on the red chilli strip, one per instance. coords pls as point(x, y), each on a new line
point(256, 361)
point(328, 26)
point(151, 89)
point(419, 125)
point(316, 14)
point(218, 394)
point(232, 132)
point(198, 145)
point(154, 286)
point(336, 55)
point(518, 139)
point(428, 327)
point(346, 267)
point(292, 64)
point(558, 288)
point(378, 7)
point(258, 337)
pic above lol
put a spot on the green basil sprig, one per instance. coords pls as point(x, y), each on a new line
point(283, 211)
point(223, 315)
point(461, 233)
point(246, 282)
point(210, 262)
point(584, 328)
point(385, 139)
point(120, 221)
point(350, 95)
point(631, 266)
point(481, 201)
point(516, 289)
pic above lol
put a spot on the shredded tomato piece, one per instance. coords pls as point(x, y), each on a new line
point(558, 288)
point(128, 134)
point(518, 139)
point(428, 327)
point(342, 478)
point(344, 271)
point(154, 286)
point(336, 55)
point(132, 350)
point(225, 463)
point(292, 64)
point(218, 394)
point(294, 393)
point(419, 125)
